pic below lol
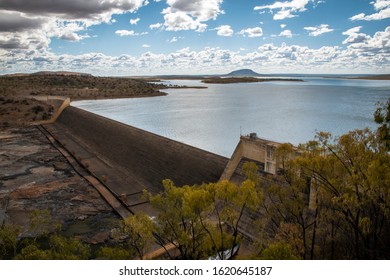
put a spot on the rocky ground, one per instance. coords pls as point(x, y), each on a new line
point(35, 179)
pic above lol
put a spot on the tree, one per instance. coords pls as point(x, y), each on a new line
point(113, 253)
point(40, 221)
point(336, 201)
point(139, 229)
point(63, 248)
point(202, 221)
point(382, 118)
point(180, 212)
point(229, 203)
point(8, 241)
point(278, 251)
point(59, 248)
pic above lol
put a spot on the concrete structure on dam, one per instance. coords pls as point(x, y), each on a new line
point(252, 148)
point(128, 160)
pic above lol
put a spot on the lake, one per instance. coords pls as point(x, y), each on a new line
point(214, 118)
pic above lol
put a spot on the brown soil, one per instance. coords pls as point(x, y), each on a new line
point(21, 111)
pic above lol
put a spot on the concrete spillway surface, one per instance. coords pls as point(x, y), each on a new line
point(130, 159)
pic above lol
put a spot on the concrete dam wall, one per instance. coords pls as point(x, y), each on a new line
point(133, 159)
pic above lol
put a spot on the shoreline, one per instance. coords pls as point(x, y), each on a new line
point(236, 80)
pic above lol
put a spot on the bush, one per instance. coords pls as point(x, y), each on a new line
point(38, 108)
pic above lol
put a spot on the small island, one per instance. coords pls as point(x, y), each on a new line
point(232, 80)
point(384, 77)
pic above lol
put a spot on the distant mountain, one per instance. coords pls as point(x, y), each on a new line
point(243, 73)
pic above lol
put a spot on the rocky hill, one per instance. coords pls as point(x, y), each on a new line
point(243, 73)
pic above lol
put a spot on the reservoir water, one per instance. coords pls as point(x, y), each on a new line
point(214, 118)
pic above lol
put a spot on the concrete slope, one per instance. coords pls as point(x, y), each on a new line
point(134, 159)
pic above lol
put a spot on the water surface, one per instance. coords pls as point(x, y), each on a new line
point(213, 119)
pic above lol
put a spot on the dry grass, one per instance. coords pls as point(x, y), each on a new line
point(76, 86)
point(23, 111)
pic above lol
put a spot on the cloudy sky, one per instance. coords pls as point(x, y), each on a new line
point(148, 37)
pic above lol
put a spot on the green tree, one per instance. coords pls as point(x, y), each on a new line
point(40, 221)
point(336, 200)
point(139, 229)
point(33, 252)
point(278, 251)
point(229, 203)
point(8, 241)
point(202, 221)
point(63, 248)
point(382, 118)
point(113, 253)
point(179, 220)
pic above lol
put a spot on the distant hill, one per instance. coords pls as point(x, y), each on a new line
point(375, 77)
point(243, 73)
point(63, 73)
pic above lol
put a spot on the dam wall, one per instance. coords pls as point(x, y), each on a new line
point(140, 159)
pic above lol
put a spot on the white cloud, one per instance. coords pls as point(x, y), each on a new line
point(175, 21)
point(34, 23)
point(366, 45)
point(155, 25)
point(318, 30)
point(134, 21)
point(252, 32)
point(174, 39)
point(66, 30)
point(190, 15)
point(129, 33)
point(286, 33)
point(372, 55)
point(203, 10)
point(354, 36)
point(381, 4)
point(383, 11)
point(352, 30)
point(224, 30)
point(283, 26)
point(125, 33)
point(146, 46)
point(287, 9)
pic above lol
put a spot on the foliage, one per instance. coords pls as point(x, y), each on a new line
point(278, 251)
point(202, 221)
point(113, 253)
point(40, 221)
point(60, 248)
point(382, 118)
point(336, 201)
point(8, 240)
point(251, 170)
point(139, 229)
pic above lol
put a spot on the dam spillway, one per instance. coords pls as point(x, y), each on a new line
point(129, 159)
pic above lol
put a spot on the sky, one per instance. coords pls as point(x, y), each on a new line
point(156, 37)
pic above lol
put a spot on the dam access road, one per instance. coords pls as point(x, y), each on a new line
point(129, 160)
